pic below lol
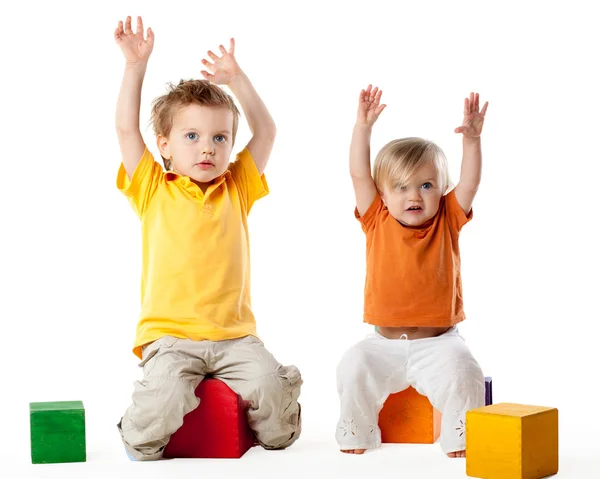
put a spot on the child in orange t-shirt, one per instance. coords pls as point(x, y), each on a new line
point(413, 292)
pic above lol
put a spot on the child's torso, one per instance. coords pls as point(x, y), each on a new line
point(413, 278)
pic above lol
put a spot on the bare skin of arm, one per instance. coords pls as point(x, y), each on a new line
point(224, 70)
point(369, 110)
point(136, 50)
point(470, 171)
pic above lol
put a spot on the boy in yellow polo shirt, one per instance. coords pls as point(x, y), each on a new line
point(196, 316)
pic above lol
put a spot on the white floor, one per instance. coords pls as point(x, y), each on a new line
point(309, 457)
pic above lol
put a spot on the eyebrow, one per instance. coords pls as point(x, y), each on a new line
point(196, 129)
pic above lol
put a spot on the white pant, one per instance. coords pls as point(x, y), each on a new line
point(441, 368)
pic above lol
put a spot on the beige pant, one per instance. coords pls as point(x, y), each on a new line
point(174, 367)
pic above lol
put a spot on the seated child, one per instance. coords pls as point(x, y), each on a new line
point(196, 317)
point(413, 292)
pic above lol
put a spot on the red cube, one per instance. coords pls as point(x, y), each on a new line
point(217, 428)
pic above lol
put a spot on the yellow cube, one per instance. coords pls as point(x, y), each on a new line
point(512, 441)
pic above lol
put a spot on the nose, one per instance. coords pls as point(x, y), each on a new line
point(415, 194)
point(207, 148)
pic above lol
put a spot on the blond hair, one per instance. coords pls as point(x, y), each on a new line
point(398, 160)
point(187, 92)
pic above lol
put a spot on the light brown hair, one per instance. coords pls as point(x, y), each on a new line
point(187, 92)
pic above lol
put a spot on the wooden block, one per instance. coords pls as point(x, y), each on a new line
point(57, 432)
point(512, 441)
point(408, 417)
point(217, 428)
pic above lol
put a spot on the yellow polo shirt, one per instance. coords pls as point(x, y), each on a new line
point(195, 250)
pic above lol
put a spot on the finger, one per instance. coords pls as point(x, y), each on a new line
point(139, 29)
point(232, 46)
point(150, 37)
point(222, 49)
point(119, 31)
point(374, 94)
point(472, 101)
point(484, 109)
point(378, 97)
point(379, 109)
point(368, 91)
point(460, 129)
point(212, 56)
point(466, 110)
point(477, 102)
point(209, 65)
point(361, 96)
point(207, 75)
point(128, 30)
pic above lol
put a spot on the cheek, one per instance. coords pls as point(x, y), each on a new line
point(224, 151)
point(433, 200)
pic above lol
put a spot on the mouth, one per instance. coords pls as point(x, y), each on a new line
point(204, 164)
point(414, 209)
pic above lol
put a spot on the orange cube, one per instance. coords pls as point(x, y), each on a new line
point(408, 417)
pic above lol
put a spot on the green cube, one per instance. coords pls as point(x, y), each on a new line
point(57, 432)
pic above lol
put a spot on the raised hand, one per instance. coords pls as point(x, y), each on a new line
point(473, 120)
point(369, 108)
point(224, 68)
point(133, 45)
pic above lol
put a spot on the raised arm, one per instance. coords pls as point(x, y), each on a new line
point(137, 51)
point(225, 71)
point(470, 170)
point(369, 110)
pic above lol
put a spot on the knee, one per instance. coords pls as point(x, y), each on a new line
point(159, 403)
point(459, 363)
point(276, 417)
point(353, 367)
point(280, 390)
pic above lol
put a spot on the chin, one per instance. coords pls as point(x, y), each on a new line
point(412, 220)
point(203, 178)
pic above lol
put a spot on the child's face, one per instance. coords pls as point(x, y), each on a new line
point(199, 145)
point(417, 201)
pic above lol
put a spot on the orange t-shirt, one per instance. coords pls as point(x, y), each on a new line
point(413, 273)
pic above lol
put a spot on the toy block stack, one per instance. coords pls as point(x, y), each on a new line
point(57, 432)
point(217, 428)
point(512, 441)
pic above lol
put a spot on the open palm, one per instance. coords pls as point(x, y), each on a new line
point(369, 108)
point(473, 118)
point(224, 67)
point(133, 45)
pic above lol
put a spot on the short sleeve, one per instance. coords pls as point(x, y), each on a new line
point(367, 221)
point(455, 213)
point(251, 185)
point(143, 184)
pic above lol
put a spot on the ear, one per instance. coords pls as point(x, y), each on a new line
point(382, 196)
point(162, 143)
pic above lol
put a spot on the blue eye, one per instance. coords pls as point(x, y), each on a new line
point(427, 186)
point(220, 138)
point(189, 135)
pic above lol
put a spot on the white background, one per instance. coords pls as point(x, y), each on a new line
point(70, 246)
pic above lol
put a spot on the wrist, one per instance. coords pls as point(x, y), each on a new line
point(136, 66)
point(471, 141)
point(237, 79)
point(363, 127)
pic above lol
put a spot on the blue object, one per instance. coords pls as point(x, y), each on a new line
point(488, 391)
